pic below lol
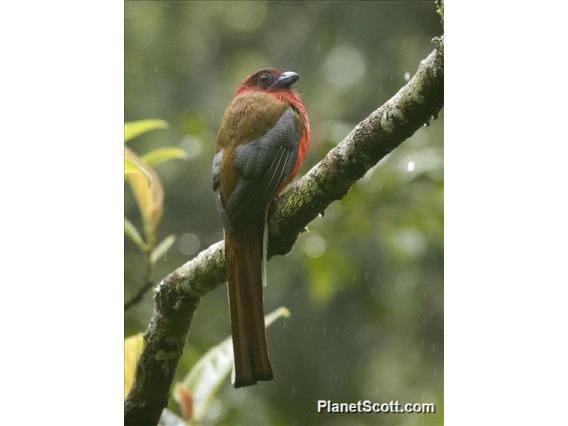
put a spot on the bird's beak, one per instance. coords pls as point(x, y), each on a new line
point(286, 80)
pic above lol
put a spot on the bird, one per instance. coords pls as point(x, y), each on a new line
point(260, 146)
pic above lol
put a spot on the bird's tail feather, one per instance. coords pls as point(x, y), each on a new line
point(244, 262)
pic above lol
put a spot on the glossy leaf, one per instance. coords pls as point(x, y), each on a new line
point(132, 350)
point(161, 155)
point(131, 232)
point(130, 168)
point(137, 128)
point(208, 374)
point(162, 248)
point(169, 418)
point(133, 165)
point(185, 401)
point(150, 198)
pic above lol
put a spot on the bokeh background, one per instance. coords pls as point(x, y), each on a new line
point(365, 284)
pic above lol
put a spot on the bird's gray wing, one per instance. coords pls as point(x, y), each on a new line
point(263, 164)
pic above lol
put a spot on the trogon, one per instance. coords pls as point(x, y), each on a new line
point(260, 146)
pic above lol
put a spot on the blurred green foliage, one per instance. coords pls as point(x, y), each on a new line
point(203, 381)
point(365, 284)
point(148, 191)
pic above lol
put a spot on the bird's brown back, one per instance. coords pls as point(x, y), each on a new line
point(247, 117)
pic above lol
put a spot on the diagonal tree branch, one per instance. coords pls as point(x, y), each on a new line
point(177, 296)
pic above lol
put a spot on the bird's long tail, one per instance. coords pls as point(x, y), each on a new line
point(244, 262)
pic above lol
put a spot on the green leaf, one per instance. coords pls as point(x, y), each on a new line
point(162, 248)
point(132, 350)
point(130, 167)
point(206, 377)
point(281, 312)
point(137, 128)
point(161, 155)
point(169, 418)
point(150, 198)
point(131, 232)
point(133, 168)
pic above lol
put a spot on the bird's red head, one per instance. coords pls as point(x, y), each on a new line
point(269, 80)
point(272, 81)
point(277, 84)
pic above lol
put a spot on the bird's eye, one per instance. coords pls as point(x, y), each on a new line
point(265, 79)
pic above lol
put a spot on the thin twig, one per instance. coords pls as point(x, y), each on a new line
point(147, 284)
point(139, 295)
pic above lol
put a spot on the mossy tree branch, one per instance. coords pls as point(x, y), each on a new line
point(177, 295)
